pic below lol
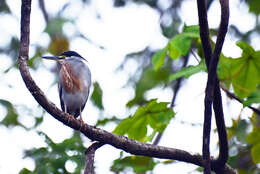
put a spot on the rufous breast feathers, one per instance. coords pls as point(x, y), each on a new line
point(69, 80)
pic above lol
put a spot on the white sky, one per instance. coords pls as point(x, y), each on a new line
point(120, 31)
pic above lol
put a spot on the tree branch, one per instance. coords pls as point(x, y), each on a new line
point(43, 9)
point(175, 92)
point(217, 99)
point(204, 30)
point(93, 133)
point(90, 154)
point(233, 96)
point(213, 83)
point(204, 36)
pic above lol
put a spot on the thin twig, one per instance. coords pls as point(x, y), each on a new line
point(233, 96)
point(192, 52)
point(43, 9)
point(175, 92)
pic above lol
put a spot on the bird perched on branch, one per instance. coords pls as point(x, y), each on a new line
point(74, 82)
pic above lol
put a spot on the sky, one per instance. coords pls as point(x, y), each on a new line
point(120, 31)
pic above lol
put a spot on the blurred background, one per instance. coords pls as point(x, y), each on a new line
point(122, 41)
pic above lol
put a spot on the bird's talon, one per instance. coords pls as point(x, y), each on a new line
point(81, 123)
point(69, 117)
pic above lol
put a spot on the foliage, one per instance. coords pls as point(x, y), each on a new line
point(245, 71)
point(253, 97)
point(10, 118)
point(96, 96)
point(254, 6)
point(188, 71)
point(244, 145)
point(53, 157)
point(156, 115)
point(176, 47)
point(155, 69)
point(139, 164)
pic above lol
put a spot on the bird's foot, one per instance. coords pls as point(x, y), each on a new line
point(69, 117)
point(81, 122)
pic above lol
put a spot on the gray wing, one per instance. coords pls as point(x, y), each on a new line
point(60, 95)
point(87, 78)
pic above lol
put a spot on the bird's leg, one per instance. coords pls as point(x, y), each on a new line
point(80, 119)
point(80, 116)
point(65, 110)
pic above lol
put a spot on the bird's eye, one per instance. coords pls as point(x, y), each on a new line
point(62, 57)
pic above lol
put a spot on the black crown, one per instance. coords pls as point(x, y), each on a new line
point(71, 53)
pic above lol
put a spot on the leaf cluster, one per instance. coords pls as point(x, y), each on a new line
point(53, 157)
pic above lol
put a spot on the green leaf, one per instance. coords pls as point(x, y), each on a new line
point(122, 127)
point(159, 121)
point(38, 121)
point(138, 129)
point(224, 70)
point(192, 31)
point(155, 114)
point(245, 71)
point(246, 76)
point(179, 46)
point(255, 153)
point(254, 6)
point(158, 58)
point(25, 171)
point(247, 49)
point(105, 121)
point(168, 162)
point(96, 96)
point(149, 138)
point(4, 7)
point(52, 159)
point(55, 26)
point(188, 71)
point(11, 118)
point(139, 164)
point(254, 97)
point(254, 137)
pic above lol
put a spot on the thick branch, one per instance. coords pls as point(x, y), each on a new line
point(25, 29)
point(93, 133)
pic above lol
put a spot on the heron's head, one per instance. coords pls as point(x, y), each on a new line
point(65, 56)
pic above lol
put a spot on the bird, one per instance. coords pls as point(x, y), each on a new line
point(74, 82)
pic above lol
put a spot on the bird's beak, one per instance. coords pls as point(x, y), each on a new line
point(57, 58)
